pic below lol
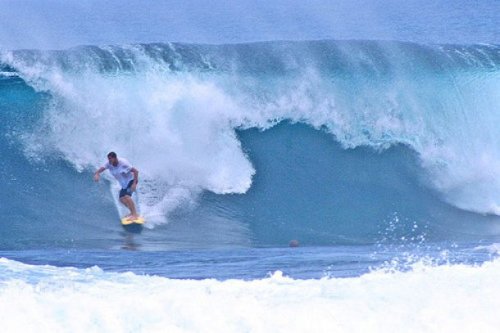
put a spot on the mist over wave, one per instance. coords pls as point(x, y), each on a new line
point(173, 110)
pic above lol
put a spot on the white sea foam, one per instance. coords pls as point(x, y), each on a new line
point(452, 298)
point(9, 74)
point(493, 249)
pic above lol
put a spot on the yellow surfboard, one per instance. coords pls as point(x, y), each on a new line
point(140, 220)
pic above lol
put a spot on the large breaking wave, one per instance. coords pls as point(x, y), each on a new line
point(421, 119)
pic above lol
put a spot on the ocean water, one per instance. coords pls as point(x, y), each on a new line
point(365, 132)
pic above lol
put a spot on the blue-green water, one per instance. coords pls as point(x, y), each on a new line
point(364, 132)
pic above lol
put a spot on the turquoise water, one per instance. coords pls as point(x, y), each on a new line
point(364, 132)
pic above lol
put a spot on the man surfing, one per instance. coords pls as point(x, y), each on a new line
point(127, 176)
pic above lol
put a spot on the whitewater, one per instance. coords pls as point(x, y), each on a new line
point(428, 299)
point(334, 168)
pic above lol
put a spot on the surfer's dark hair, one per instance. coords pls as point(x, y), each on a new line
point(112, 154)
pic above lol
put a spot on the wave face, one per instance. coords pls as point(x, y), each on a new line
point(371, 135)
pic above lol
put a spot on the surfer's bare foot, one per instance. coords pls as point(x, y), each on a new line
point(132, 217)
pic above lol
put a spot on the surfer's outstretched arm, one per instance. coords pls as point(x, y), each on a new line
point(97, 174)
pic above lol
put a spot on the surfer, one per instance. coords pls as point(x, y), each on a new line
point(127, 176)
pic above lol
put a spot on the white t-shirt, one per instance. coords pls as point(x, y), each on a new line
point(122, 171)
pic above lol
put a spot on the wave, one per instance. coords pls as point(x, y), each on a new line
point(177, 112)
point(85, 300)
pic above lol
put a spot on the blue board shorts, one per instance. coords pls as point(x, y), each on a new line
point(126, 191)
